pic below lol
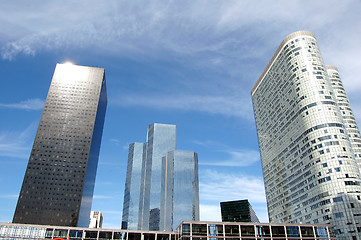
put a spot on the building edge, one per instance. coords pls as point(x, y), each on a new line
point(275, 55)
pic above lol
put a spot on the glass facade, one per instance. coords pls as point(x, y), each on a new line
point(146, 183)
point(10, 231)
point(59, 180)
point(180, 189)
point(132, 201)
point(191, 230)
point(346, 111)
point(238, 211)
point(310, 171)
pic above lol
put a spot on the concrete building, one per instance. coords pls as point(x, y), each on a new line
point(59, 179)
point(308, 139)
point(96, 219)
point(238, 211)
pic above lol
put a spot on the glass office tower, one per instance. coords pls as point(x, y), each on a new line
point(146, 181)
point(59, 179)
point(132, 201)
point(161, 139)
point(304, 128)
point(180, 189)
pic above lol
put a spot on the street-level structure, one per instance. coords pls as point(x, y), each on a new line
point(185, 231)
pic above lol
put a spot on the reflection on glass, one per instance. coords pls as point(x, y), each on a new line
point(105, 235)
point(180, 189)
point(199, 229)
point(278, 231)
point(215, 230)
point(321, 232)
point(162, 236)
point(49, 233)
point(76, 234)
point(41, 233)
point(120, 235)
point(30, 232)
point(15, 231)
point(263, 231)
point(247, 231)
point(134, 236)
point(292, 231)
point(231, 230)
point(186, 229)
point(91, 234)
point(307, 231)
point(60, 233)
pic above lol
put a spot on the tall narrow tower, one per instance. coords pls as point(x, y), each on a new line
point(162, 183)
point(304, 128)
point(59, 179)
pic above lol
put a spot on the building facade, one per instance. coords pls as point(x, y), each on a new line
point(96, 219)
point(59, 179)
point(238, 211)
point(252, 231)
point(145, 173)
point(132, 203)
point(187, 230)
point(310, 170)
point(179, 190)
point(161, 138)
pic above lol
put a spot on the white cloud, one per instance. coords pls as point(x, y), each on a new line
point(240, 158)
point(9, 196)
point(220, 186)
point(215, 33)
point(210, 213)
point(225, 105)
point(30, 104)
point(102, 197)
point(17, 144)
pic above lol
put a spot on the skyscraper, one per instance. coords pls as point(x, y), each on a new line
point(59, 180)
point(145, 179)
point(304, 125)
point(180, 189)
point(132, 189)
point(238, 211)
point(161, 139)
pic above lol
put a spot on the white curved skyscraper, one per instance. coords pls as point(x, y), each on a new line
point(308, 139)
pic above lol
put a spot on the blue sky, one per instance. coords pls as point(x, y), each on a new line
point(189, 63)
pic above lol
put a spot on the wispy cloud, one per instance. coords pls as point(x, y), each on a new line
point(225, 105)
point(240, 158)
point(17, 144)
point(102, 197)
point(220, 186)
point(232, 157)
point(217, 34)
point(9, 196)
point(30, 104)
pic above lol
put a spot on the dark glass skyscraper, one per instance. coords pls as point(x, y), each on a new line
point(59, 179)
point(238, 211)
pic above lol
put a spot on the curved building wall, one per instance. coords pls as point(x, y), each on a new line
point(309, 167)
point(346, 111)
